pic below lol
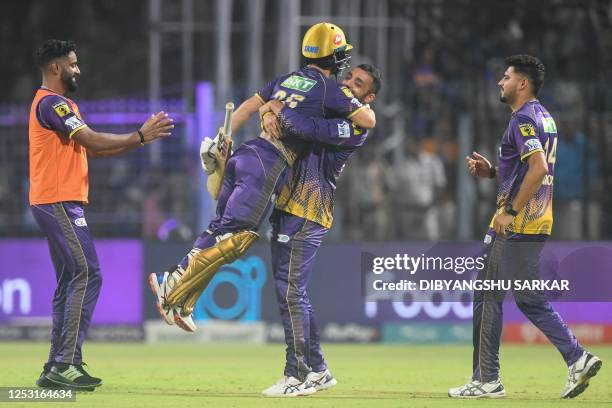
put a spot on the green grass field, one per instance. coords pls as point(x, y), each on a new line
point(176, 375)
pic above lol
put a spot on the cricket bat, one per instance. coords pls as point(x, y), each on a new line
point(224, 150)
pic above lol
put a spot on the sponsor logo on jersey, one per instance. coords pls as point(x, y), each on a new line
point(80, 222)
point(61, 108)
point(299, 83)
point(533, 145)
point(283, 238)
point(344, 130)
point(549, 125)
point(73, 123)
point(527, 129)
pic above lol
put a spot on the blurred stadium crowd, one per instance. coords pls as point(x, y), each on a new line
point(403, 185)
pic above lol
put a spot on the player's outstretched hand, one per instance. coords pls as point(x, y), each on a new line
point(478, 165)
point(158, 125)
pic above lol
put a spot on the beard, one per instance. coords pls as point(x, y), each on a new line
point(69, 81)
point(506, 97)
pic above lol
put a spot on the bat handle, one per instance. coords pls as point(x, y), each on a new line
point(227, 125)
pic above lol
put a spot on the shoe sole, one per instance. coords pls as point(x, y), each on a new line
point(59, 382)
point(43, 382)
point(483, 396)
point(500, 394)
point(155, 289)
point(181, 323)
point(583, 383)
point(303, 393)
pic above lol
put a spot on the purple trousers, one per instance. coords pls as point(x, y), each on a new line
point(510, 259)
point(295, 242)
point(253, 178)
point(77, 272)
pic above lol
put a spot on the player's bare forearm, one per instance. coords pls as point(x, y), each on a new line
point(365, 118)
point(156, 126)
point(538, 169)
point(113, 152)
point(97, 142)
point(245, 111)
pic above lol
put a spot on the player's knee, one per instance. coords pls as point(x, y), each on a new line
point(95, 277)
point(295, 297)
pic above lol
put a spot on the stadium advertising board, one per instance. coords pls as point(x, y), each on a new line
point(28, 281)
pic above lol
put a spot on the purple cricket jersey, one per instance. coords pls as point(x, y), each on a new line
point(531, 129)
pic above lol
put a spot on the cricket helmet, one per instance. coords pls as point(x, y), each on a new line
point(325, 40)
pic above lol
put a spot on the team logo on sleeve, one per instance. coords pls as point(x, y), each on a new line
point(347, 92)
point(527, 129)
point(74, 123)
point(533, 145)
point(61, 108)
point(344, 130)
point(356, 129)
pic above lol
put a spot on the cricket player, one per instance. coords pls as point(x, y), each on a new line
point(257, 170)
point(518, 231)
point(60, 142)
point(302, 216)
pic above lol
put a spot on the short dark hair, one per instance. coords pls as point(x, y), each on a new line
point(529, 66)
point(323, 62)
point(52, 49)
point(376, 75)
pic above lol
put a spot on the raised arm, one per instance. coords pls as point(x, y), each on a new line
point(108, 144)
point(245, 111)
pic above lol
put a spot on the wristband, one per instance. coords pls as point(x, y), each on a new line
point(510, 210)
point(142, 142)
point(492, 172)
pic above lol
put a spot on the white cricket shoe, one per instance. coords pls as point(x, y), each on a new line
point(184, 322)
point(289, 387)
point(321, 380)
point(161, 290)
point(580, 373)
point(477, 389)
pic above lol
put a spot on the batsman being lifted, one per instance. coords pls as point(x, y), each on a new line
point(258, 169)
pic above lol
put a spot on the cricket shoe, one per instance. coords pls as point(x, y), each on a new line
point(184, 322)
point(321, 380)
point(289, 387)
point(580, 373)
point(161, 285)
point(72, 376)
point(42, 381)
point(477, 389)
